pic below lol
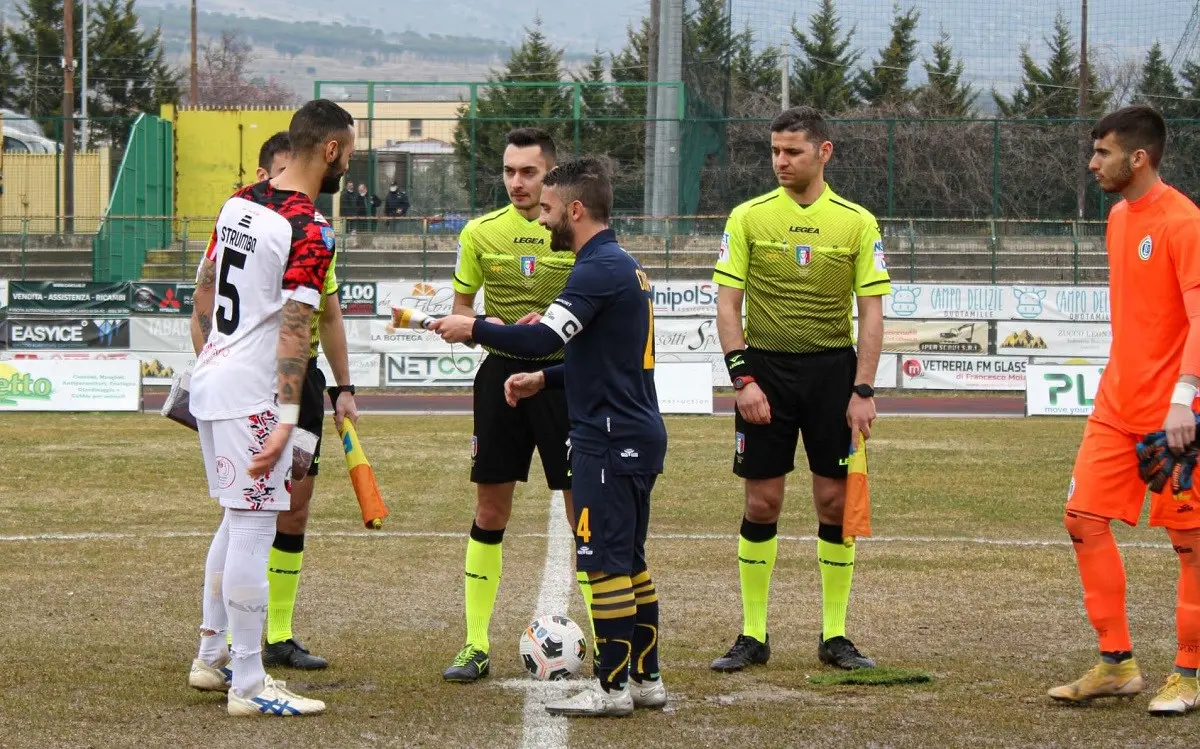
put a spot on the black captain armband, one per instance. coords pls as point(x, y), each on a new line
point(735, 362)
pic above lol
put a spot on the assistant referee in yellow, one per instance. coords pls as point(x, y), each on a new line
point(798, 257)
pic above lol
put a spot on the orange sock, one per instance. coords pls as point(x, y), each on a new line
point(1187, 606)
point(1103, 577)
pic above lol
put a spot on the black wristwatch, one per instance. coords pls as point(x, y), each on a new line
point(336, 391)
point(864, 390)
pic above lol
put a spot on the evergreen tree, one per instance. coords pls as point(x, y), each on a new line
point(1052, 91)
point(755, 74)
point(886, 82)
point(1190, 78)
point(945, 94)
point(128, 72)
point(500, 108)
point(632, 65)
point(1157, 86)
point(10, 79)
point(709, 48)
point(37, 45)
point(824, 74)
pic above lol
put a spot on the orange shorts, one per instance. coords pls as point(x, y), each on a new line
point(1105, 482)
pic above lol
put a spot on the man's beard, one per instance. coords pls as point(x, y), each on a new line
point(331, 183)
point(562, 236)
point(1123, 178)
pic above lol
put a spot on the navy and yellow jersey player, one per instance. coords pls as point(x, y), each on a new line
point(506, 254)
point(605, 320)
point(287, 551)
point(798, 258)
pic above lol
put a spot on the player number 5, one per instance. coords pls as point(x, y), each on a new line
point(229, 304)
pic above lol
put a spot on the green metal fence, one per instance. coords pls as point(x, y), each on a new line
point(896, 167)
point(142, 191)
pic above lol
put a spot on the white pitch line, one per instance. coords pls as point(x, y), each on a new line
point(542, 730)
point(1020, 542)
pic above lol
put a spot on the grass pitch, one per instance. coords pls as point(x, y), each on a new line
point(104, 524)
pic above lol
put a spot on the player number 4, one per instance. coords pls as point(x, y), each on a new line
point(583, 527)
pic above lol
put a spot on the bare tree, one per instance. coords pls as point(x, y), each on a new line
point(1118, 75)
point(225, 79)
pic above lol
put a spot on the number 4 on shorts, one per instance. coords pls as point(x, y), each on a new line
point(583, 528)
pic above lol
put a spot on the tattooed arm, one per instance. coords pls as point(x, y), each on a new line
point(203, 302)
point(292, 355)
point(291, 361)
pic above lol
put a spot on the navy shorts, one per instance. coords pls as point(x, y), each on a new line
point(612, 515)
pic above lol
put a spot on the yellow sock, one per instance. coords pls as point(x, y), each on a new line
point(283, 580)
point(756, 561)
point(585, 587)
point(837, 572)
point(483, 566)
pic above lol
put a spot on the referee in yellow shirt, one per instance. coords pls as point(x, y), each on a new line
point(506, 254)
point(798, 257)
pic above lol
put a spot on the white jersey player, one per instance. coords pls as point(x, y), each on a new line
point(256, 291)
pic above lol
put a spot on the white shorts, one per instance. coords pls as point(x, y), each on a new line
point(228, 445)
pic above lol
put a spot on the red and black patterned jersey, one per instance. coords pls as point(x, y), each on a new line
point(269, 246)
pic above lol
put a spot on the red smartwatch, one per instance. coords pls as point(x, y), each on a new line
point(742, 381)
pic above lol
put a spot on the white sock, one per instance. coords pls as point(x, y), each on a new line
point(251, 534)
point(212, 647)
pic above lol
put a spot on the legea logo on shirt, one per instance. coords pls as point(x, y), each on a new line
point(1145, 247)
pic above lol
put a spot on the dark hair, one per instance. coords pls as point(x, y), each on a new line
point(802, 120)
point(523, 137)
point(315, 122)
point(1136, 127)
point(276, 144)
point(585, 179)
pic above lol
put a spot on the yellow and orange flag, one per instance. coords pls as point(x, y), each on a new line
point(362, 477)
point(856, 517)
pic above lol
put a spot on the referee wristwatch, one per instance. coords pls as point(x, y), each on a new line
point(863, 390)
point(336, 391)
point(742, 381)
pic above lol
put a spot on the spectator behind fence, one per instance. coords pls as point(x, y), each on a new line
point(367, 205)
point(395, 205)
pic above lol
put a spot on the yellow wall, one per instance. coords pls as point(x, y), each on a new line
point(213, 157)
point(216, 152)
point(391, 120)
point(29, 190)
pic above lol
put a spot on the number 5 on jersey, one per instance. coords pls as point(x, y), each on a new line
point(228, 302)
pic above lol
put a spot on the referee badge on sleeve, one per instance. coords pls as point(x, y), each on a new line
point(880, 258)
point(803, 254)
point(723, 255)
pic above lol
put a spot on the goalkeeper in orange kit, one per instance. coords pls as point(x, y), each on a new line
point(1143, 429)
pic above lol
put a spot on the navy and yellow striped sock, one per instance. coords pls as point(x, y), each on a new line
point(615, 614)
point(645, 632)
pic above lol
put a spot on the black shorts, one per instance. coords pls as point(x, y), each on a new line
point(504, 439)
point(808, 395)
point(612, 515)
point(312, 409)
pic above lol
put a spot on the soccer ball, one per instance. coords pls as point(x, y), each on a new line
point(552, 648)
